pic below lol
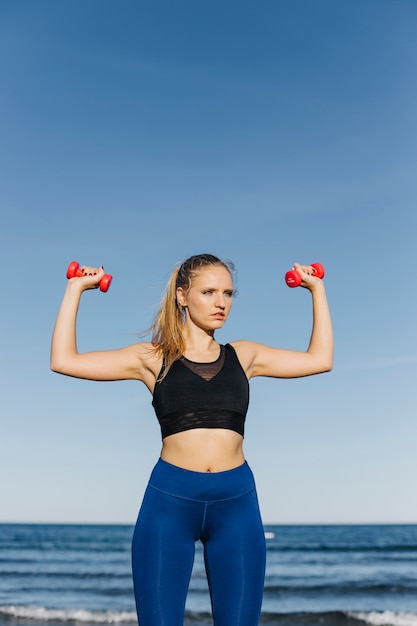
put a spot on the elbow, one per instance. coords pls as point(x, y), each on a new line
point(327, 365)
point(60, 361)
point(54, 360)
point(322, 364)
point(63, 364)
point(53, 365)
point(56, 366)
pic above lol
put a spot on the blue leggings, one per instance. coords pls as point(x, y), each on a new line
point(220, 509)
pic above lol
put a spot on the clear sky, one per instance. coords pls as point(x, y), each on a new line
point(134, 134)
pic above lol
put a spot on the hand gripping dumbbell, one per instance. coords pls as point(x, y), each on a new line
point(293, 278)
point(74, 270)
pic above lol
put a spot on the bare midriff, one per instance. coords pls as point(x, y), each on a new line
point(204, 450)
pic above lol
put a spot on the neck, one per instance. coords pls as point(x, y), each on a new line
point(197, 341)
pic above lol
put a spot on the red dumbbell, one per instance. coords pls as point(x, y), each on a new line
point(74, 270)
point(293, 278)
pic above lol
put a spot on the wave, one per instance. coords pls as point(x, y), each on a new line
point(341, 618)
point(342, 547)
point(45, 615)
point(345, 587)
point(385, 618)
point(73, 575)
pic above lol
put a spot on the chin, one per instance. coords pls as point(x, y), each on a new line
point(214, 325)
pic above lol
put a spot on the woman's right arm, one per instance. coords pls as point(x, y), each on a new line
point(133, 362)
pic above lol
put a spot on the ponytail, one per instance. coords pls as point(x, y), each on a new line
point(167, 333)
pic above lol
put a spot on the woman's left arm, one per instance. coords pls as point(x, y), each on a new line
point(261, 360)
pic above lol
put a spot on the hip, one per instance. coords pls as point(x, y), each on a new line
point(202, 486)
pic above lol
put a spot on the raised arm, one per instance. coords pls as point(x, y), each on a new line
point(260, 360)
point(132, 362)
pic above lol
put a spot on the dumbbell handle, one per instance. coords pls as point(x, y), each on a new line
point(74, 270)
point(293, 278)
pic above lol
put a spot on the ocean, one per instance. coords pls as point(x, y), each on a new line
point(61, 575)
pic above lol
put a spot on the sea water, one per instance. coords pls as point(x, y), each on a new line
point(54, 575)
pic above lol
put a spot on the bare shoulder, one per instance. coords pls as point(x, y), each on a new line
point(148, 356)
point(246, 352)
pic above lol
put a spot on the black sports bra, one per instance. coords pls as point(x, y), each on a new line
point(202, 395)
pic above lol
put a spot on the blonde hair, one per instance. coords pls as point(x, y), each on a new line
point(167, 328)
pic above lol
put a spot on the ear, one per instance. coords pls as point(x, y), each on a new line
point(181, 297)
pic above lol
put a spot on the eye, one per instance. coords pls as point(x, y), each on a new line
point(208, 292)
point(230, 293)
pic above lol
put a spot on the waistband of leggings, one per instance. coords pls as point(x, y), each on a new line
point(202, 486)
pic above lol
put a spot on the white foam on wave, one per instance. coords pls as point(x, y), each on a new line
point(69, 615)
point(386, 618)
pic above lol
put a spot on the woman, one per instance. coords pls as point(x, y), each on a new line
point(201, 487)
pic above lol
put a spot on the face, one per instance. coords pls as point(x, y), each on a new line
point(209, 299)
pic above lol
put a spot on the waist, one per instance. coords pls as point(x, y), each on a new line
point(202, 486)
point(204, 450)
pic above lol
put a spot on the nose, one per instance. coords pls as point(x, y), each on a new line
point(221, 301)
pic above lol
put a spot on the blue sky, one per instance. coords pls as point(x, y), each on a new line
point(134, 134)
